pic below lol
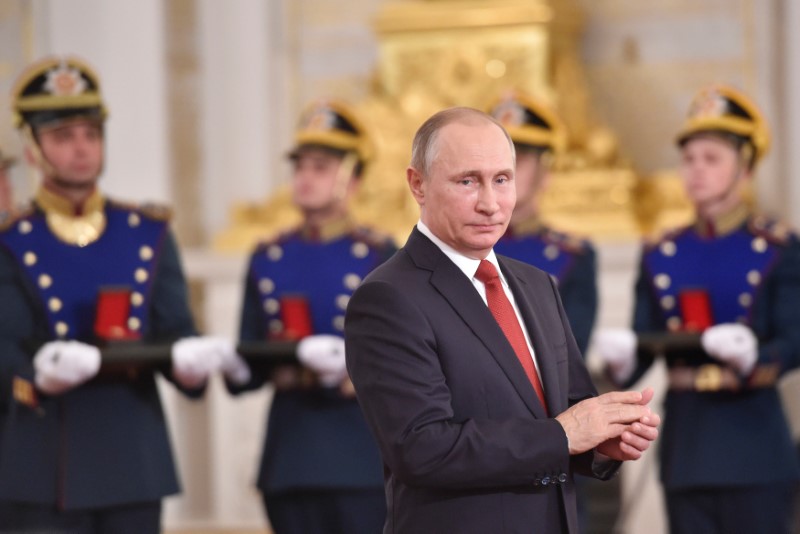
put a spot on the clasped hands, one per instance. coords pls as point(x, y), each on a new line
point(619, 424)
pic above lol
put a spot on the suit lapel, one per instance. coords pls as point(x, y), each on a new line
point(534, 317)
point(451, 283)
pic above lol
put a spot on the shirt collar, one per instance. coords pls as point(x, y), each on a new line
point(467, 265)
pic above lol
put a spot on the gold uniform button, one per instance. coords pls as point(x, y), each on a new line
point(55, 304)
point(342, 301)
point(62, 328)
point(146, 253)
point(359, 250)
point(271, 306)
point(140, 275)
point(25, 227)
point(754, 277)
point(29, 258)
point(274, 252)
point(668, 248)
point(668, 302)
point(351, 281)
point(551, 252)
point(662, 281)
point(266, 286)
point(45, 281)
point(134, 323)
point(134, 220)
point(137, 299)
point(745, 300)
point(759, 244)
point(276, 326)
point(674, 324)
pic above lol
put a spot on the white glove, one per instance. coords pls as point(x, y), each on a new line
point(195, 358)
point(62, 365)
point(617, 349)
point(731, 343)
point(233, 366)
point(324, 354)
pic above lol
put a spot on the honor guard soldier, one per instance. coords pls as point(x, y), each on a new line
point(6, 194)
point(727, 460)
point(83, 450)
point(538, 136)
point(321, 469)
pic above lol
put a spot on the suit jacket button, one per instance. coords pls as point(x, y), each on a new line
point(562, 477)
point(537, 482)
point(545, 481)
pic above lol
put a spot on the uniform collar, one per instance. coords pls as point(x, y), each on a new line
point(330, 231)
point(53, 203)
point(723, 224)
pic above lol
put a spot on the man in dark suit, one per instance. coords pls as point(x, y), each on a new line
point(482, 413)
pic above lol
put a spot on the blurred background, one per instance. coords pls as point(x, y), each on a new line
point(204, 96)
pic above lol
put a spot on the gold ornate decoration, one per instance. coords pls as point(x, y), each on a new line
point(435, 54)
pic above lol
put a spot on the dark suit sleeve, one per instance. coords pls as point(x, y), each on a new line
point(393, 363)
point(579, 295)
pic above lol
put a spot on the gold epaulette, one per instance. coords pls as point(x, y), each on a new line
point(149, 210)
point(774, 231)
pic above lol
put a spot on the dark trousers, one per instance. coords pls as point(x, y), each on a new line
point(26, 518)
point(745, 510)
point(327, 511)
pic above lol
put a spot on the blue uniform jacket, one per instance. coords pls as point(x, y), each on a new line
point(105, 442)
point(751, 273)
point(316, 437)
point(571, 261)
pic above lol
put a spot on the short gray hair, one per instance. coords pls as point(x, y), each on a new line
point(424, 148)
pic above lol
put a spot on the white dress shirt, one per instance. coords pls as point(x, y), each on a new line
point(469, 267)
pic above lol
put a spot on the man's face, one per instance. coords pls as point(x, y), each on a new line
point(468, 196)
point(74, 150)
point(316, 184)
point(709, 166)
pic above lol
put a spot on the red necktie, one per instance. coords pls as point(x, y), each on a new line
point(504, 314)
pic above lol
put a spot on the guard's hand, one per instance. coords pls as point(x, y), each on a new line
point(731, 343)
point(195, 358)
point(606, 417)
point(324, 354)
point(63, 365)
point(232, 365)
point(617, 349)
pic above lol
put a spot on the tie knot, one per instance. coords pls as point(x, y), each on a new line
point(486, 272)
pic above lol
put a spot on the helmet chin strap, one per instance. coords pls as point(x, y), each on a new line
point(35, 151)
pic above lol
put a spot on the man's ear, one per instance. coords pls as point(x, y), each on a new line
point(416, 184)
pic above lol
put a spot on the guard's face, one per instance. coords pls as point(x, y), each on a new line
point(469, 195)
point(531, 177)
point(5, 191)
point(74, 150)
point(711, 169)
point(317, 184)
